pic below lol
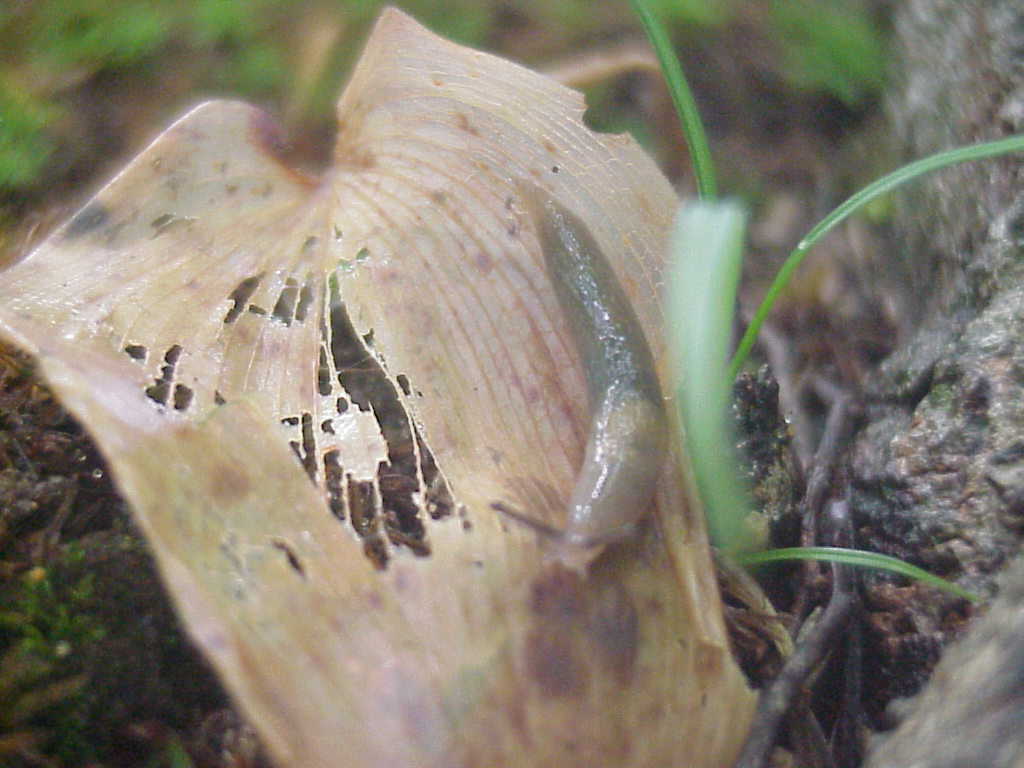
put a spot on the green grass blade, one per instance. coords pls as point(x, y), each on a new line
point(858, 558)
point(854, 202)
point(682, 97)
point(707, 249)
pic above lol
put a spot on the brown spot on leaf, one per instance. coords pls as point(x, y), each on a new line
point(553, 665)
point(376, 551)
point(558, 602)
point(228, 484)
point(558, 595)
point(267, 135)
point(463, 123)
point(615, 630)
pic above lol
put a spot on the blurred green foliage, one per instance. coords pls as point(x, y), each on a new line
point(831, 45)
point(50, 48)
point(92, 33)
point(464, 21)
point(56, 55)
point(706, 13)
point(24, 144)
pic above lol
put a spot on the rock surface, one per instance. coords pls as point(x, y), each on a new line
point(939, 473)
point(972, 711)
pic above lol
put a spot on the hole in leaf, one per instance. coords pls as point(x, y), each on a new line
point(284, 309)
point(308, 446)
point(323, 374)
point(362, 506)
point(401, 513)
point(162, 223)
point(240, 296)
point(371, 389)
point(334, 480)
point(136, 352)
point(160, 390)
point(182, 397)
point(438, 497)
point(289, 553)
point(306, 450)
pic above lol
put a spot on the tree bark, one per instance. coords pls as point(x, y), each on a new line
point(938, 473)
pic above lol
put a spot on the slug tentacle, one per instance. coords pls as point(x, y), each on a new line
point(628, 434)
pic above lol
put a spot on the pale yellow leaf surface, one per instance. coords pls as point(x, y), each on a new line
point(312, 390)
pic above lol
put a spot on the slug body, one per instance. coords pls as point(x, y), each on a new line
point(628, 433)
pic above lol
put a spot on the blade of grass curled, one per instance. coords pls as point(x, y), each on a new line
point(858, 200)
point(707, 250)
point(856, 557)
point(682, 97)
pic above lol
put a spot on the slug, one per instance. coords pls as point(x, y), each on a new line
point(628, 434)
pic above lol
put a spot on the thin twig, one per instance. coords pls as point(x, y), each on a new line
point(778, 698)
point(819, 479)
point(819, 484)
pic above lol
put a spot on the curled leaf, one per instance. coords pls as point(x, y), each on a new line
point(313, 390)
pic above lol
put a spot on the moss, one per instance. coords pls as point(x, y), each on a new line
point(943, 397)
point(46, 637)
point(89, 645)
point(55, 53)
point(764, 442)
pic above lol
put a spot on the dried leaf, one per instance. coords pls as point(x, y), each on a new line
point(392, 322)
